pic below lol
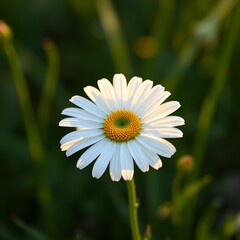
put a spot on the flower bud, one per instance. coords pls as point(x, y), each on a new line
point(185, 163)
point(5, 31)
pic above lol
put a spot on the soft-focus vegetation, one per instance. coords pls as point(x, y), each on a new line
point(50, 50)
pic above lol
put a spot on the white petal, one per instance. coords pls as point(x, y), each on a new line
point(120, 87)
point(81, 133)
point(85, 142)
point(81, 114)
point(154, 159)
point(87, 106)
point(157, 145)
point(67, 145)
point(164, 132)
point(79, 123)
point(140, 93)
point(155, 103)
point(157, 165)
point(136, 150)
point(115, 167)
point(168, 108)
point(91, 154)
point(132, 87)
point(162, 111)
point(95, 95)
point(170, 121)
point(149, 98)
point(108, 93)
point(103, 160)
point(127, 168)
point(163, 97)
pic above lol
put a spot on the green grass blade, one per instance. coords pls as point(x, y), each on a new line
point(51, 81)
point(115, 38)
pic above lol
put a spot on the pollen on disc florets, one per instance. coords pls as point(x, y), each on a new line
point(122, 125)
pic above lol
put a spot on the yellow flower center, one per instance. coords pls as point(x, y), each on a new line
point(122, 125)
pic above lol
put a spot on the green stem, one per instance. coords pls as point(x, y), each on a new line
point(133, 206)
point(161, 31)
point(33, 135)
point(114, 36)
point(175, 193)
point(44, 110)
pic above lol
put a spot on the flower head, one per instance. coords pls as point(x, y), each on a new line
point(122, 124)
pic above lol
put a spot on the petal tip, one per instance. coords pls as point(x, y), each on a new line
point(158, 165)
point(115, 179)
point(79, 163)
point(73, 98)
point(127, 174)
point(67, 154)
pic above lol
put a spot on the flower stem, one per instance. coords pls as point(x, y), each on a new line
point(115, 38)
point(133, 206)
point(44, 109)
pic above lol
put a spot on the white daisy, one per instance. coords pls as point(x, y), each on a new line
point(122, 124)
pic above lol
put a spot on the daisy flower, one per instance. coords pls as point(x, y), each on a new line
point(120, 125)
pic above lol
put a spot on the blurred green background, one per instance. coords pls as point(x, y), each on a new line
point(190, 47)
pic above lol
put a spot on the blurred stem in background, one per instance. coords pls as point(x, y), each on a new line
point(32, 130)
point(210, 103)
point(160, 31)
point(182, 194)
point(185, 165)
point(114, 36)
point(51, 81)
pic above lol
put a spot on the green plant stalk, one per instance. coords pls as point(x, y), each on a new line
point(133, 207)
point(163, 23)
point(33, 135)
point(176, 190)
point(181, 65)
point(177, 183)
point(205, 224)
point(160, 32)
point(114, 36)
point(44, 109)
